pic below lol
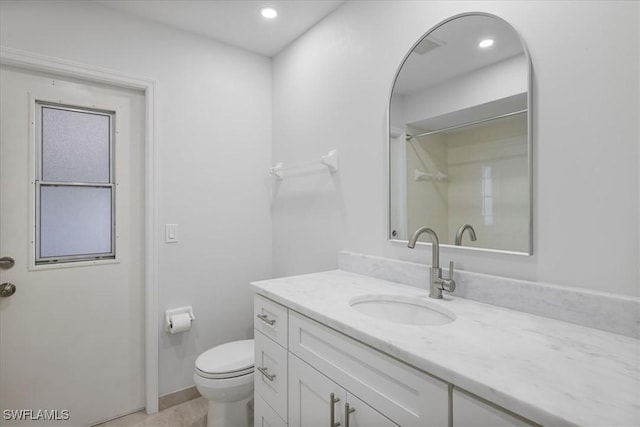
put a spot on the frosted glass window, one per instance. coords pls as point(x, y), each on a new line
point(75, 220)
point(75, 185)
point(75, 146)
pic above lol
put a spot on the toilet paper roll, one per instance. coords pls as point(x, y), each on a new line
point(179, 323)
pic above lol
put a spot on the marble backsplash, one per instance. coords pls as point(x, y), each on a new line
point(601, 310)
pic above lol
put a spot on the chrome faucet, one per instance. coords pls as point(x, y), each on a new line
point(437, 283)
point(460, 232)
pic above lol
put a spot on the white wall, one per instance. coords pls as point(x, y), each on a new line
point(213, 136)
point(331, 90)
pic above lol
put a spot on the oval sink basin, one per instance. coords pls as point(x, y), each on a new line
point(399, 309)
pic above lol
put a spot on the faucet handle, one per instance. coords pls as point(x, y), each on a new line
point(449, 284)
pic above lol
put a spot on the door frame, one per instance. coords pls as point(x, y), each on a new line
point(37, 62)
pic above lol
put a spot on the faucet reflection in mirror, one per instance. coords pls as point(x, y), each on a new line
point(460, 136)
point(460, 232)
point(437, 283)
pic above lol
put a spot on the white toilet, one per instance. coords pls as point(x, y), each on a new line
point(224, 376)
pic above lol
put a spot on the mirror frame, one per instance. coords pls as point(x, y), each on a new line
point(529, 136)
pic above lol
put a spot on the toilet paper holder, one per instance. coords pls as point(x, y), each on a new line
point(168, 314)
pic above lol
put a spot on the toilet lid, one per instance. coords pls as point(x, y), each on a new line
point(227, 360)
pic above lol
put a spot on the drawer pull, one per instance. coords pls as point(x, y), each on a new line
point(270, 377)
point(266, 319)
point(332, 410)
point(347, 410)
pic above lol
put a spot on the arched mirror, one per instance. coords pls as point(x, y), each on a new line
point(460, 137)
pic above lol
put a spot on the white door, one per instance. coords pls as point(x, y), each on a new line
point(71, 336)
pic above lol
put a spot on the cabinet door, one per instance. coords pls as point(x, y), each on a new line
point(469, 411)
point(310, 394)
point(270, 377)
point(359, 414)
point(265, 416)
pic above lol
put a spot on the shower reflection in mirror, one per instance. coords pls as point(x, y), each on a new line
point(460, 140)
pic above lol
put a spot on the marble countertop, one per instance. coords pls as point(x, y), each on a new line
point(552, 372)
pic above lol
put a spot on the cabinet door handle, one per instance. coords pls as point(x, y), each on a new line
point(270, 377)
point(332, 410)
point(266, 319)
point(347, 410)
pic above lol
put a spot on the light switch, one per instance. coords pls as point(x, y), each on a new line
point(171, 233)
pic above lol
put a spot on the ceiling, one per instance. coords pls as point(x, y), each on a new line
point(451, 50)
point(235, 22)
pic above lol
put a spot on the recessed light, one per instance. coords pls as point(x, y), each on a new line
point(268, 12)
point(486, 43)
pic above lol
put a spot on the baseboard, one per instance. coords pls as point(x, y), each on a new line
point(178, 397)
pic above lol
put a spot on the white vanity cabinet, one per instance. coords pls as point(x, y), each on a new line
point(469, 410)
point(447, 375)
point(308, 374)
point(297, 382)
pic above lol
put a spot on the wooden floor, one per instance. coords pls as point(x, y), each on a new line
point(188, 414)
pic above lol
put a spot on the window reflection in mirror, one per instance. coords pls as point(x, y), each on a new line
point(460, 145)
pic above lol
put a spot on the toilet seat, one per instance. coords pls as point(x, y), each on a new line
point(224, 375)
point(228, 360)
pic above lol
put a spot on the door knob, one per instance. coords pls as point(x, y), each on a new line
point(7, 289)
point(6, 262)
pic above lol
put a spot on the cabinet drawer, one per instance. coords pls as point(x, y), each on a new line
point(270, 318)
point(270, 378)
point(407, 396)
point(265, 416)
